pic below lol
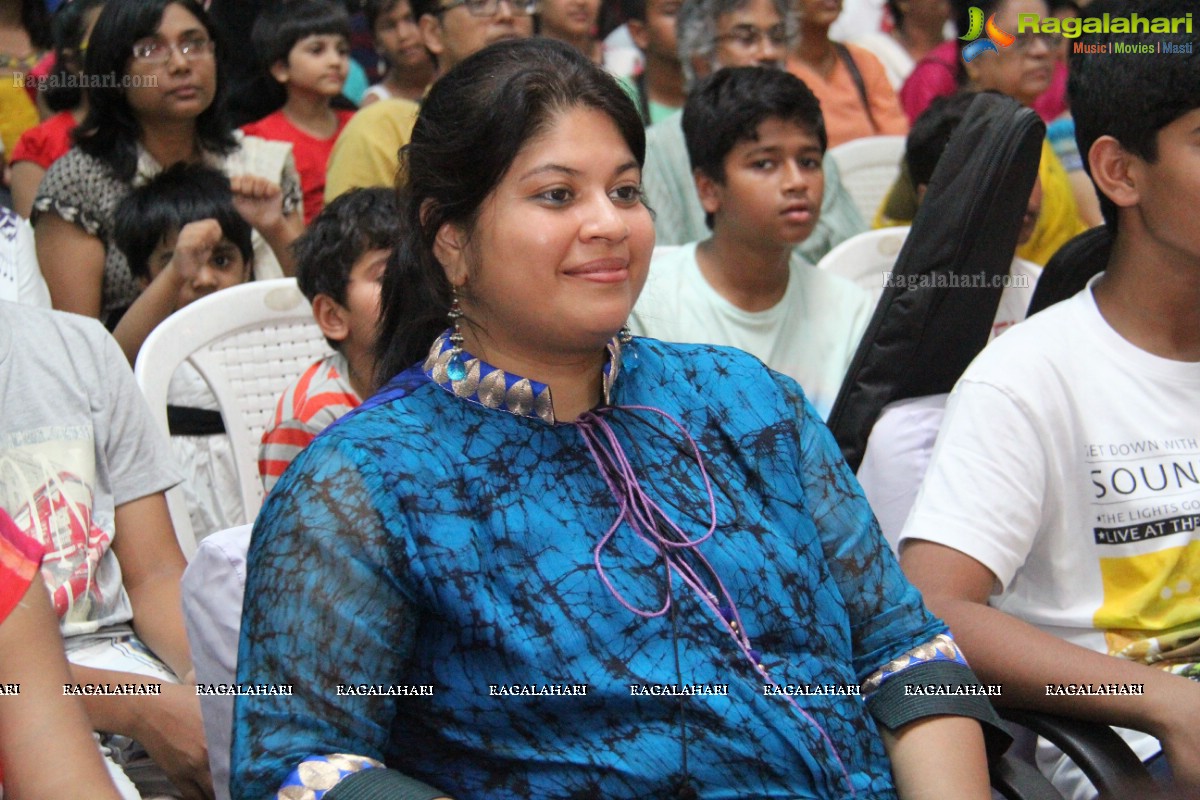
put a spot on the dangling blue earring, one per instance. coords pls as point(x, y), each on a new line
point(454, 367)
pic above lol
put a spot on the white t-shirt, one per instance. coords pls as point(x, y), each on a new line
point(1068, 464)
point(810, 335)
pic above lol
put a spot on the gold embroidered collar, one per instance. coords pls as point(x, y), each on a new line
point(494, 388)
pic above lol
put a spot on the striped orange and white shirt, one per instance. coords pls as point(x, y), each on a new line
point(321, 395)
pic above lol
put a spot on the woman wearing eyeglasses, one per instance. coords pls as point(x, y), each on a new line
point(1022, 69)
point(155, 100)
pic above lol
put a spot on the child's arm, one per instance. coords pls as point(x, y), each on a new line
point(160, 299)
point(260, 202)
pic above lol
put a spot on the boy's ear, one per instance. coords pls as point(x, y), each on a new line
point(709, 191)
point(280, 72)
point(431, 33)
point(332, 318)
point(1115, 171)
point(638, 32)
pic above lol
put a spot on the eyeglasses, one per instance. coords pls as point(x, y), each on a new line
point(488, 8)
point(750, 37)
point(154, 51)
point(1024, 41)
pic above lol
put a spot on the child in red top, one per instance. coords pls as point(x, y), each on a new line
point(305, 46)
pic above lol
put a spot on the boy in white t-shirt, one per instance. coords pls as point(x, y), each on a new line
point(1058, 528)
point(756, 138)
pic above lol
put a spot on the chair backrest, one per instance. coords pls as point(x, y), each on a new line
point(866, 258)
point(868, 168)
point(249, 343)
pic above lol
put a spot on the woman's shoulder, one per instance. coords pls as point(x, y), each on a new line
point(76, 165)
point(713, 373)
point(401, 408)
point(81, 189)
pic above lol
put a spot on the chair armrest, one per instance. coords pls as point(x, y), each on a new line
point(1016, 779)
point(1096, 749)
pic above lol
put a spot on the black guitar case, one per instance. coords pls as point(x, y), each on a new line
point(937, 315)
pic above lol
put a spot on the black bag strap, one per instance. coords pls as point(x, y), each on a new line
point(936, 314)
point(187, 421)
point(856, 76)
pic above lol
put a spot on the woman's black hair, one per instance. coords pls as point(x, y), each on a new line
point(473, 123)
point(68, 27)
point(35, 19)
point(110, 131)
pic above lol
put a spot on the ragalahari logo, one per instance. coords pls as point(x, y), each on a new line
point(995, 36)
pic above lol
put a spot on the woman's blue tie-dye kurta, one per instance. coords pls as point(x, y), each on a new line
point(427, 539)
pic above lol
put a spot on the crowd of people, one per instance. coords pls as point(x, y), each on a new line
point(558, 515)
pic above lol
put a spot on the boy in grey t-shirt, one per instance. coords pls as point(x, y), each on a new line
point(83, 471)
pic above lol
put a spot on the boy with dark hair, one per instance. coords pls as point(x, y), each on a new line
point(1058, 518)
point(713, 34)
point(756, 139)
point(658, 89)
point(340, 263)
point(305, 47)
point(923, 149)
point(183, 239)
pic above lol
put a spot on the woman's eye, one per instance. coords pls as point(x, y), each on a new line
point(627, 194)
point(560, 195)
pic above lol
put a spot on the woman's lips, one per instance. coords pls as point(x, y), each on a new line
point(608, 270)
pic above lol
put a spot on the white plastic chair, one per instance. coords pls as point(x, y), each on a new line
point(249, 342)
point(865, 258)
point(868, 168)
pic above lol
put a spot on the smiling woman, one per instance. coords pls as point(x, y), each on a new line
point(655, 550)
